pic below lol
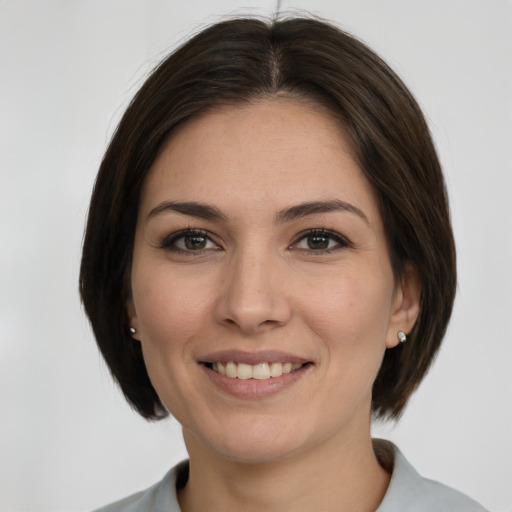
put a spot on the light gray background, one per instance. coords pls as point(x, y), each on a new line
point(67, 70)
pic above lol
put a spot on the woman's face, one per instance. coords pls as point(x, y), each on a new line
point(260, 251)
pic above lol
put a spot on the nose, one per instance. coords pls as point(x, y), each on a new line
point(253, 295)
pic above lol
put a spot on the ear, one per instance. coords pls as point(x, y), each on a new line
point(406, 305)
point(132, 318)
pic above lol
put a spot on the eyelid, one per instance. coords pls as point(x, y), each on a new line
point(168, 242)
point(342, 241)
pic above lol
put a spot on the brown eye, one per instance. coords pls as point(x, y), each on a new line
point(321, 241)
point(194, 243)
point(189, 241)
point(316, 242)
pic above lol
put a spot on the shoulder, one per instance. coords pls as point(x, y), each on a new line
point(409, 491)
point(160, 497)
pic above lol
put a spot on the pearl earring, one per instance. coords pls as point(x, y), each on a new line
point(133, 330)
point(402, 337)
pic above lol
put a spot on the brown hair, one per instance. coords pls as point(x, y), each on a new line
point(245, 59)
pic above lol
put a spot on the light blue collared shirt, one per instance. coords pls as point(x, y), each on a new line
point(408, 491)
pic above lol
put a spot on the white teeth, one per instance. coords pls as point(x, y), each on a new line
point(261, 371)
point(276, 369)
point(231, 370)
point(244, 371)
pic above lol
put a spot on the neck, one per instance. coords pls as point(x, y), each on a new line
point(346, 477)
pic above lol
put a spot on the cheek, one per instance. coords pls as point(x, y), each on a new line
point(350, 313)
point(170, 308)
point(171, 314)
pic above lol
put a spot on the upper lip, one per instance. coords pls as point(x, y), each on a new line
point(263, 356)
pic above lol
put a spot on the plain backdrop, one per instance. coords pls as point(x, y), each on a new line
point(68, 441)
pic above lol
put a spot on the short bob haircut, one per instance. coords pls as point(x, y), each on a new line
point(246, 60)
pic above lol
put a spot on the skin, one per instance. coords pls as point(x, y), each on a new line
point(253, 282)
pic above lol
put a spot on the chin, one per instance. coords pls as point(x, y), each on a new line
point(257, 452)
point(249, 444)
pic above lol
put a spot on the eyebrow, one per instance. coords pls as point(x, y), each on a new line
point(313, 207)
point(210, 212)
point(191, 208)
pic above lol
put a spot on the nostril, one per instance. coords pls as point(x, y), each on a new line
point(249, 326)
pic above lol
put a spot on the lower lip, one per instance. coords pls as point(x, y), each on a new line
point(254, 388)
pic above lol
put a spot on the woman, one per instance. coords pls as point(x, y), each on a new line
point(269, 258)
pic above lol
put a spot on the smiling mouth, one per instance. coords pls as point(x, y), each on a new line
point(260, 371)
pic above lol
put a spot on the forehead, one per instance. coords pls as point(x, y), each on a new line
point(276, 152)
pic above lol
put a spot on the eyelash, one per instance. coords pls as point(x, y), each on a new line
point(169, 243)
point(341, 242)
